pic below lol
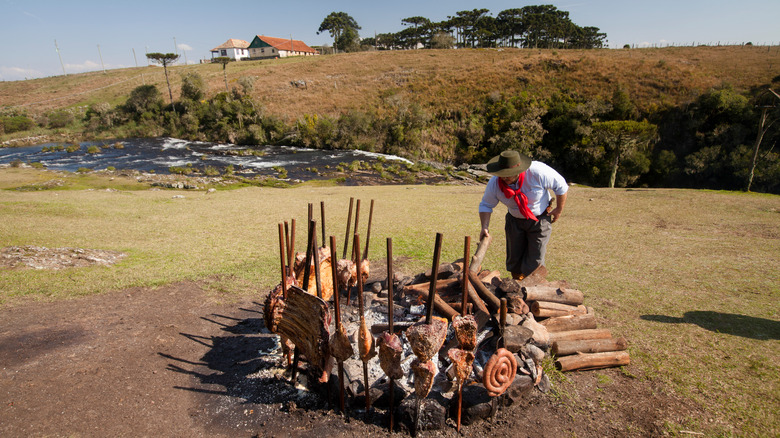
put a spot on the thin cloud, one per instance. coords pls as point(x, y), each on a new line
point(17, 73)
point(184, 47)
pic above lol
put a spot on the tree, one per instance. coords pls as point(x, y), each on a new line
point(442, 40)
point(336, 23)
point(224, 61)
point(143, 99)
point(417, 22)
point(192, 86)
point(349, 40)
point(769, 100)
point(164, 59)
point(622, 137)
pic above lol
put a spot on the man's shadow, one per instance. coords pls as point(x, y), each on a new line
point(728, 323)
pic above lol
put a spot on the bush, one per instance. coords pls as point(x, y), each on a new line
point(192, 86)
point(60, 119)
point(94, 150)
point(11, 124)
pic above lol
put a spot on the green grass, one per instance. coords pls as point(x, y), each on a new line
point(690, 278)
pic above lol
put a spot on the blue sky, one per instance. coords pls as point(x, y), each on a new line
point(86, 30)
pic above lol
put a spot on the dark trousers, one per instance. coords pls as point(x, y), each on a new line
point(526, 243)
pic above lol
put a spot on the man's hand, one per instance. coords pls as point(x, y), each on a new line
point(484, 220)
point(560, 201)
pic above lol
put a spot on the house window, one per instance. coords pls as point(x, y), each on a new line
point(223, 52)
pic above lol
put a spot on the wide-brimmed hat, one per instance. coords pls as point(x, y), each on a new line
point(508, 163)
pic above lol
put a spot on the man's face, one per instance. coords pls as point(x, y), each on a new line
point(509, 180)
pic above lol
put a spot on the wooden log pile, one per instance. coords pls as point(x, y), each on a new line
point(554, 312)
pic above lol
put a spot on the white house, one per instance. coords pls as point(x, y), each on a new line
point(269, 47)
point(233, 48)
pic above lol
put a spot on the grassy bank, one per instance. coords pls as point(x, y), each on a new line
point(690, 278)
point(438, 80)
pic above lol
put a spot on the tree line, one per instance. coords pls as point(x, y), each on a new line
point(541, 26)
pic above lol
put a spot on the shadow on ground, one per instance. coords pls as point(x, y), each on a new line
point(729, 323)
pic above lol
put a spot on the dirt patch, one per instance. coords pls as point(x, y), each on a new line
point(177, 361)
point(38, 257)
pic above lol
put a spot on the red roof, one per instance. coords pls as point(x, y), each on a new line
point(284, 44)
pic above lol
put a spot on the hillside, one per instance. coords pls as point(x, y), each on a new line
point(439, 80)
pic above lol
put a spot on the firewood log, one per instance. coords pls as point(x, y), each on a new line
point(490, 299)
point(566, 348)
point(561, 295)
point(488, 276)
point(440, 305)
point(546, 309)
point(476, 260)
point(441, 285)
point(576, 335)
point(592, 361)
point(571, 322)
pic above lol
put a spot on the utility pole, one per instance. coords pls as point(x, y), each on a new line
point(175, 47)
point(60, 55)
point(136, 65)
point(101, 59)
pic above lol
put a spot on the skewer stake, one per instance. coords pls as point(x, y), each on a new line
point(317, 277)
point(322, 219)
point(356, 245)
point(291, 249)
point(390, 296)
point(356, 248)
point(502, 319)
point(465, 298)
point(349, 222)
point(337, 309)
point(281, 254)
point(434, 273)
point(368, 231)
point(390, 285)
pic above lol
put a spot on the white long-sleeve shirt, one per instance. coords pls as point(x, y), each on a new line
point(538, 179)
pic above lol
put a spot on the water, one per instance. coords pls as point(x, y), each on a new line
point(160, 154)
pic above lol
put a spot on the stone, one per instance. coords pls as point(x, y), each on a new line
point(533, 352)
point(509, 286)
point(477, 404)
point(446, 270)
point(359, 401)
point(516, 336)
point(515, 303)
point(544, 384)
point(432, 414)
point(522, 385)
point(376, 287)
point(541, 337)
point(514, 319)
point(384, 400)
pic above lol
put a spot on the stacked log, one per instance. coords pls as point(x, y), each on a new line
point(576, 341)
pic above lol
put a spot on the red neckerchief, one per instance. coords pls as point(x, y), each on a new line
point(519, 196)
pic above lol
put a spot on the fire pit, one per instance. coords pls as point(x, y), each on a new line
point(454, 342)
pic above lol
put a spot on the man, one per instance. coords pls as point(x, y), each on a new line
point(524, 187)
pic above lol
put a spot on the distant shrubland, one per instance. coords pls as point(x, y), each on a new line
point(674, 117)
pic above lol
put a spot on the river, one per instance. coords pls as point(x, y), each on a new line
point(159, 155)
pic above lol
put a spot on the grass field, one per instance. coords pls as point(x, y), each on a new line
point(690, 278)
